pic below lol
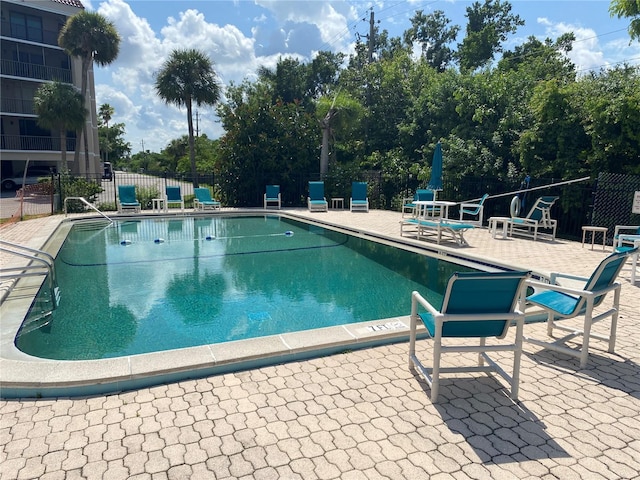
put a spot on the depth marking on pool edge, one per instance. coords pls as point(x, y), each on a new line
point(385, 326)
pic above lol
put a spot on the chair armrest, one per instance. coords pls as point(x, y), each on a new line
point(417, 299)
point(625, 227)
point(556, 275)
point(573, 291)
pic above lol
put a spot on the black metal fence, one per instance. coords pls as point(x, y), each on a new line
point(605, 202)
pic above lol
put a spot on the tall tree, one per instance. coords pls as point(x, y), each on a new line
point(105, 112)
point(60, 107)
point(433, 34)
point(628, 9)
point(339, 113)
point(188, 77)
point(488, 25)
point(93, 38)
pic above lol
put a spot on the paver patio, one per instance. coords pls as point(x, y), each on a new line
point(356, 415)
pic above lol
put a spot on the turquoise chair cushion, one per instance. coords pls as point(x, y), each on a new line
point(173, 194)
point(560, 302)
point(272, 192)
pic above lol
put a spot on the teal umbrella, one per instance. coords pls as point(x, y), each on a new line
point(436, 169)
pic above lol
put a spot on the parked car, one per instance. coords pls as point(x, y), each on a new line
point(107, 171)
point(33, 175)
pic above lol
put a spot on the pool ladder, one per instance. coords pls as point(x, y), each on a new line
point(40, 263)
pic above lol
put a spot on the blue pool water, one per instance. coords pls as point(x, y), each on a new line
point(148, 285)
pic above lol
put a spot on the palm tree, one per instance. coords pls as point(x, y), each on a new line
point(60, 107)
point(105, 112)
point(187, 77)
point(93, 38)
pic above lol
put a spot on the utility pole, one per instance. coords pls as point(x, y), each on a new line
point(371, 36)
point(197, 128)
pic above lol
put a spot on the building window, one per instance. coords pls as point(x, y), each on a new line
point(26, 27)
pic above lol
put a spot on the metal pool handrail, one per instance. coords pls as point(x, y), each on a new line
point(84, 200)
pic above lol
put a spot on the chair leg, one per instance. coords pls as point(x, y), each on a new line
point(435, 373)
point(517, 357)
point(550, 324)
point(614, 320)
point(483, 342)
point(586, 335)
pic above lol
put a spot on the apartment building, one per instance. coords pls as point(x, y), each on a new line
point(30, 56)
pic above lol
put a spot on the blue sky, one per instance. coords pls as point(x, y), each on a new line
point(242, 35)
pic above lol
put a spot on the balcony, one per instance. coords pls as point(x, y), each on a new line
point(26, 142)
point(17, 105)
point(37, 35)
point(35, 71)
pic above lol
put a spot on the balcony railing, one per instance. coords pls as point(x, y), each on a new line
point(17, 105)
point(26, 142)
point(33, 70)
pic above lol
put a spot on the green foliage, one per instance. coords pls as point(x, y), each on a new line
point(628, 9)
point(107, 206)
point(77, 187)
point(112, 141)
point(145, 195)
point(488, 25)
point(529, 113)
point(433, 34)
point(59, 107)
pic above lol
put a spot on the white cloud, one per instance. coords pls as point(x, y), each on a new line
point(589, 51)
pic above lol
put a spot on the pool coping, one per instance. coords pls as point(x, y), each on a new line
point(22, 375)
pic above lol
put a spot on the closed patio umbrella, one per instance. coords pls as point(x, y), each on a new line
point(435, 183)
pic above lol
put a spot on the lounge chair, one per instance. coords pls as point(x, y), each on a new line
point(272, 196)
point(475, 305)
point(562, 302)
point(127, 200)
point(473, 209)
point(203, 200)
point(420, 195)
point(359, 198)
point(539, 217)
point(173, 196)
point(316, 201)
point(625, 235)
point(439, 227)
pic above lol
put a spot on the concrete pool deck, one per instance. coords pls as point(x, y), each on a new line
point(357, 414)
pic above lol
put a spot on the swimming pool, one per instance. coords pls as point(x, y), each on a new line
point(156, 284)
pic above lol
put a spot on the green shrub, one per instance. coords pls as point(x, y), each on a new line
point(77, 187)
point(107, 207)
point(145, 196)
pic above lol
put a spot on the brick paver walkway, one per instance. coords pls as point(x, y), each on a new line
point(355, 415)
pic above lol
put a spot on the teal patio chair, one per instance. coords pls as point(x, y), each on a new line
point(539, 217)
point(473, 209)
point(475, 305)
point(173, 196)
point(272, 196)
point(203, 200)
point(359, 198)
point(420, 195)
point(561, 302)
point(316, 201)
point(127, 200)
